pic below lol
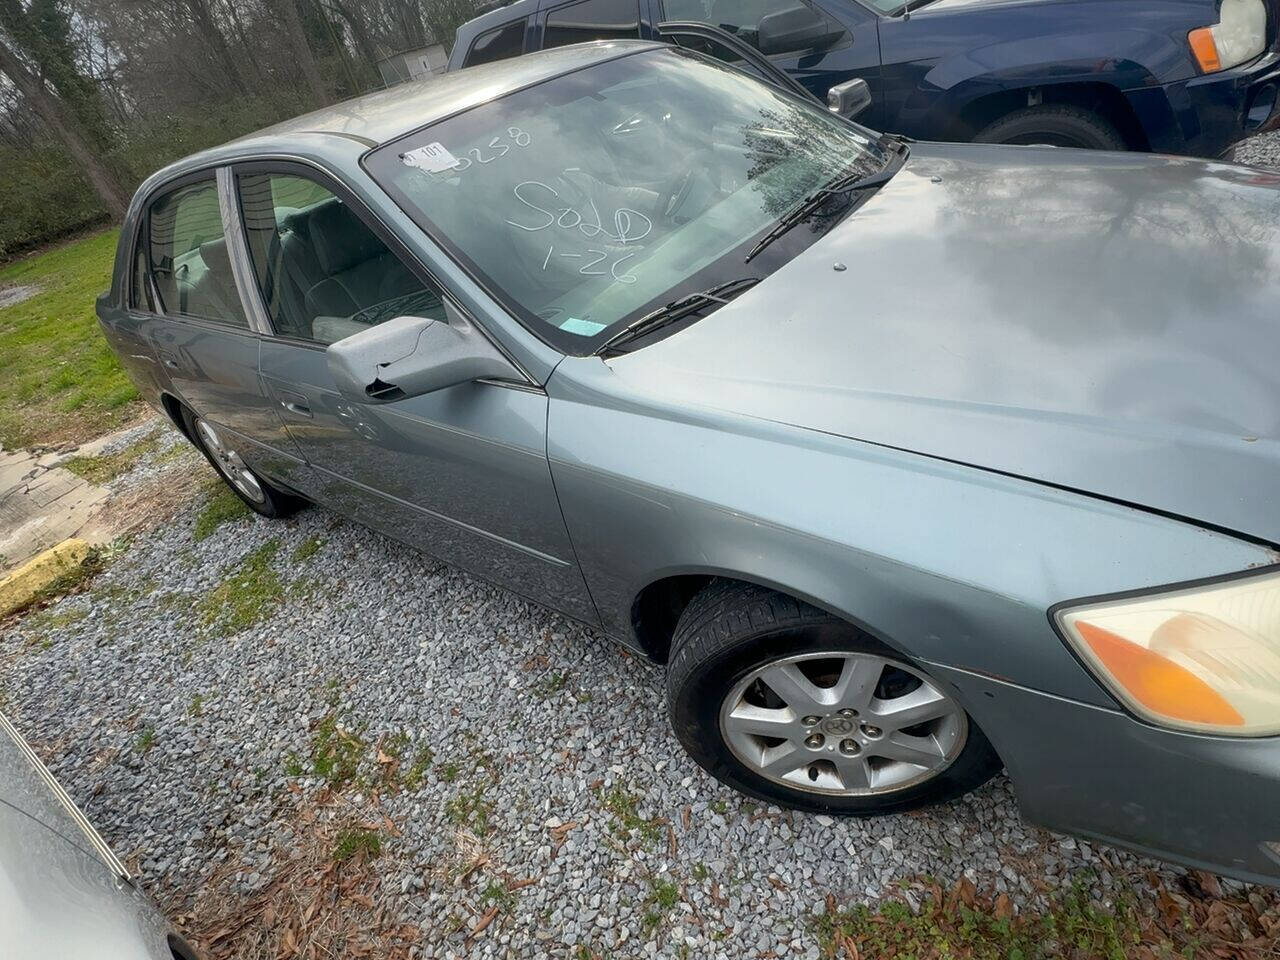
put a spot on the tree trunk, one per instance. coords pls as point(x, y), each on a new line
point(360, 34)
point(114, 196)
point(212, 35)
point(297, 38)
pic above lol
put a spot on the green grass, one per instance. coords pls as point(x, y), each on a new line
point(307, 549)
point(106, 467)
point(961, 925)
point(357, 841)
point(624, 806)
point(146, 740)
point(661, 900)
point(59, 379)
point(247, 595)
point(471, 811)
point(335, 752)
point(223, 507)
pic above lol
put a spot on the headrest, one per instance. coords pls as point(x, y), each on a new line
point(216, 258)
point(340, 239)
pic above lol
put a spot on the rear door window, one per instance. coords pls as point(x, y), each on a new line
point(592, 20)
point(323, 273)
point(497, 44)
point(187, 256)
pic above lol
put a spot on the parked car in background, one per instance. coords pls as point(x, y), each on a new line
point(63, 893)
point(909, 460)
point(1173, 76)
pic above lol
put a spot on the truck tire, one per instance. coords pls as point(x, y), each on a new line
point(1059, 126)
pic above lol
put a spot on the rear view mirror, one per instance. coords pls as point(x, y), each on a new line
point(794, 29)
point(849, 98)
point(412, 356)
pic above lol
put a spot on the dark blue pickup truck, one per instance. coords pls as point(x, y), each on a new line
point(1174, 76)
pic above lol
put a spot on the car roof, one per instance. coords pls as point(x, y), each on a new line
point(375, 118)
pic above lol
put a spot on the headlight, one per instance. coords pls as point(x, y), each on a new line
point(1239, 35)
point(1204, 658)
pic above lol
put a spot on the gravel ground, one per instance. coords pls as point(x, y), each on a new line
point(1263, 151)
point(502, 744)
point(550, 758)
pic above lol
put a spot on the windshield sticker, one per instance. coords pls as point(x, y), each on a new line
point(433, 158)
point(584, 328)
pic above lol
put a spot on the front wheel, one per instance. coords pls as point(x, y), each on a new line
point(794, 706)
point(1058, 126)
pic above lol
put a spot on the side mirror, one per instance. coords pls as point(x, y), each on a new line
point(412, 356)
point(849, 98)
point(796, 28)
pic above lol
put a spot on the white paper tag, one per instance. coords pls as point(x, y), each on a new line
point(433, 158)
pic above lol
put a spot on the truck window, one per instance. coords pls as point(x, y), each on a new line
point(592, 20)
point(497, 44)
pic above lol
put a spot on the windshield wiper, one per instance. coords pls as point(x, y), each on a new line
point(678, 309)
point(810, 204)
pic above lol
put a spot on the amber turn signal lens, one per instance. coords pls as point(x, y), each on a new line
point(1160, 685)
point(1205, 48)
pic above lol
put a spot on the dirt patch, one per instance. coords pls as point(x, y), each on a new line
point(10, 296)
point(322, 902)
point(150, 503)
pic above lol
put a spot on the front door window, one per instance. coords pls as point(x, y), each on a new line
point(323, 273)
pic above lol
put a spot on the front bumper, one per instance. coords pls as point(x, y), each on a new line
point(1208, 802)
point(1207, 115)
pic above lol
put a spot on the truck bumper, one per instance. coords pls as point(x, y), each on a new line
point(1206, 116)
point(1212, 803)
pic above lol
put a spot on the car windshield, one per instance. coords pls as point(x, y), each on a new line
point(587, 200)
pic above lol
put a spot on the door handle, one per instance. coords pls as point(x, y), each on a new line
point(296, 407)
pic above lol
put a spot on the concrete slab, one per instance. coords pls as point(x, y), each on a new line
point(41, 505)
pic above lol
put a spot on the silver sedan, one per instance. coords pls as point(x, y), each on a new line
point(910, 461)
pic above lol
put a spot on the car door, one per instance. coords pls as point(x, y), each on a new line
point(820, 45)
point(461, 472)
point(206, 349)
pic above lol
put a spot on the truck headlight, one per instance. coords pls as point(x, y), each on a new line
point(1203, 658)
point(1239, 35)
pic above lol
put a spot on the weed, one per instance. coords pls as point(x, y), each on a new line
point(49, 619)
point(247, 595)
point(700, 871)
point(549, 686)
point(450, 771)
point(412, 778)
point(497, 894)
point(662, 897)
point(335, 752)
point(307, 549)
point(470, 810)
point(196, 707)
point(355, 841)
point(223, 507)
point(106, 467)
point(624, 806)
point(146, 740)
point(293, 765)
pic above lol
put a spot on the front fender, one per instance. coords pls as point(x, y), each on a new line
point(947, 563)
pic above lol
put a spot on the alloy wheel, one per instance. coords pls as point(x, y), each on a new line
point(842, 723)
point(229, 463)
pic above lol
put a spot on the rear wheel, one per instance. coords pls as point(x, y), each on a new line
point(1055, 125)
point(220, 450)
point(792, 705)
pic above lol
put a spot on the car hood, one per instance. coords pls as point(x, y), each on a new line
point(1108, 323)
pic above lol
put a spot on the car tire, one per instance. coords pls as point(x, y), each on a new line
point(731, 631)
point(1059, 126)
point(256, 493)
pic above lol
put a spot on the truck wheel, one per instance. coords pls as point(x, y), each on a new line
point(258, 495)
point(789, 704)
point(1059, 126)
